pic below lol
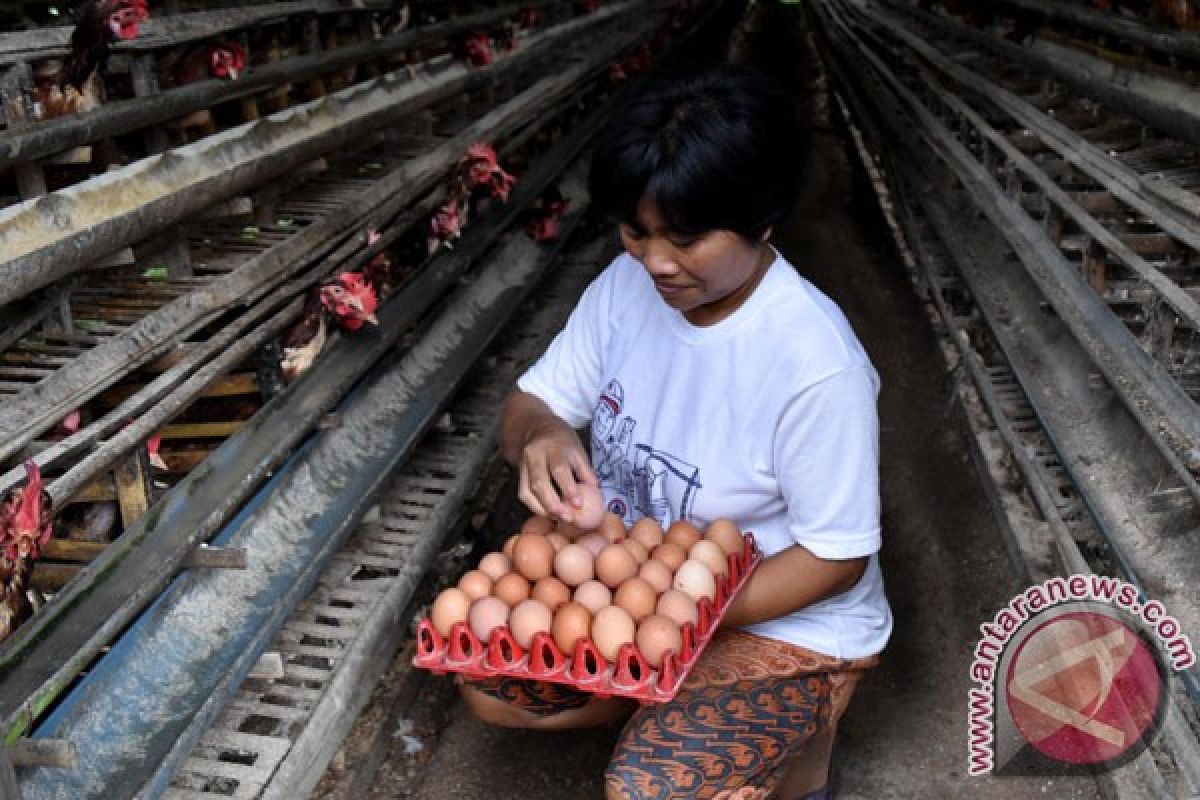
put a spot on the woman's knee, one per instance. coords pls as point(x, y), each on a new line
point(494, 711)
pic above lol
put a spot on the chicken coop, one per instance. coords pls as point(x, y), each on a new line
point(269, 269)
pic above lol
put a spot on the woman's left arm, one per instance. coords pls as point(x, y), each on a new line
point(788, 581)
point(826, 459)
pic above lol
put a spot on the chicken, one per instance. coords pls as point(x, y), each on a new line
point(25, 527)
point(74, 84)
point(349, 300)
point(222, 60)
point(541, 222)
point(478, 48)
point(478, 171)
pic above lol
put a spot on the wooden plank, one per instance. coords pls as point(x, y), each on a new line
point(52, 577)
point(72, 550)
point(227, 386)
point(200, 430)
point(98, 491)
point(58, 753)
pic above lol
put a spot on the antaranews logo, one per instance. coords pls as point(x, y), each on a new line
point(1071, 676)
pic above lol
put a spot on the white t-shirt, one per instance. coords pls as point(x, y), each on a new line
point(767, 417)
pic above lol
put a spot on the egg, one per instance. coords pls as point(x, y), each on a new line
point(677, 606)
point(450, 607)
point(670, 554)
point(476, 584)
point(533, 556)
point(726, 534)
point(683, 533)
point(593, 595)
point(656, 635)
point(612, 627)
point(647, 531)
point(507, 549)
point(657, 574)
point(557, 539)
point(637, 597)
point(612, 527)
point(572, 622)
point(573, 565)
point(511, 588)
point(537, 524)
point(710, 555)
point(526, 619)
point(640, 553)
point(615, 565)
point(590, 512)
point(495, 565)
point(594, 542)
point(695, 580)
point(487, 614)
point(550, 592)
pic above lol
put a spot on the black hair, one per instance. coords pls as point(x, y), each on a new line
point(714, 148)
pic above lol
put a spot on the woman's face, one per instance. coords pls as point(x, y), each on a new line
point(705, 277)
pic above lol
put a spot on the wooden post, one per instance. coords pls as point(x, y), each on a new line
point(171, 247)
point(312, 44)
point(1095, 270)
point(1160, 330)
point(133, 488)
point(18, 83)
point(8, 778)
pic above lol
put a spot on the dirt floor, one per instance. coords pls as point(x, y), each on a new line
point(945, 566)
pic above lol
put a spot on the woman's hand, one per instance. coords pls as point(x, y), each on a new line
point(550, 460)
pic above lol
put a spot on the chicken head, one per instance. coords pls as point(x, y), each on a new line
point(351, 300)
point(123, 17)
point(25, 524)
point(227, 60)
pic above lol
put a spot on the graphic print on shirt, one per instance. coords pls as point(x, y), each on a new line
point(640, 479)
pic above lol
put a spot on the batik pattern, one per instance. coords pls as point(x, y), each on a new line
point(535, 697)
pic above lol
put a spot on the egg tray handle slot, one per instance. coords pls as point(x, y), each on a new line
point(462, 646)
point(545, 659)
point(632, 671)
point(503, 652)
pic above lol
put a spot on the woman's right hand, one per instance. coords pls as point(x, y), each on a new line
point(550, 469)
point(550, 460)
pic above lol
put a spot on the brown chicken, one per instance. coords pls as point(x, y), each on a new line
point(222, 60)
point(74, 85)
point(348, 300)
point(25, 527)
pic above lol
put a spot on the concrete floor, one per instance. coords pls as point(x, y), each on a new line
point(946, 570)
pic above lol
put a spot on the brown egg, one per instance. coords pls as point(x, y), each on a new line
point(526, 619)
point(637, 597)
point(657, 574)
point(511, 588)
point(568, 530)
point(590, 512)
point(615, 565)
point(476, 584)
point(656, 635)
point(551, 592)
point(572, 622)
point(495, 565)
point(612, 627)
point(725, 533)
point(450, 607)
point(594, 542)
point(677, 606)
point(593, 595)
point(557, 539)
point(683, 533)
point(536, 524)
point(507, 549)
point(640, 553)
point(695, 580)
point(710, 555)
point(612, 527)
point(573, 564)
point(533, 556)
point(648, 532)
point(670, 554)
point(487, 614)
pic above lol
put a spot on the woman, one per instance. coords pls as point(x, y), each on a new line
point(717, 383)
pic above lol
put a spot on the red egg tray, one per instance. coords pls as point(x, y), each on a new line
point(630, 675)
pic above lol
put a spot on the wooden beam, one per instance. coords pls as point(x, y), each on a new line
point(200, 430)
